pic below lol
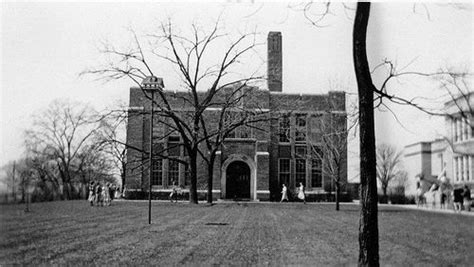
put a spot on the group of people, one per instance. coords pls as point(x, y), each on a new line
point(442, 190)
point(101, 194)
point(299, 192)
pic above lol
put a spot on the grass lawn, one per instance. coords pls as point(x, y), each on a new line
point(240, 234)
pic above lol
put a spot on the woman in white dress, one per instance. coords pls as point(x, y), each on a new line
point(284, 193)
point(301, 193)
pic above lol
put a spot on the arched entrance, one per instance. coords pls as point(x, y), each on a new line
point(238, 180)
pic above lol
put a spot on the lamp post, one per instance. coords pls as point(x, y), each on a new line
point(151, 84)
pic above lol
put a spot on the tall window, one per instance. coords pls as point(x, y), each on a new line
point(157, 172)
point(284, 128)
point(284, 171)
point(173, 146)
point(300, 128)
point(173, 172)
point(468, 167)
point(316, 133)
point(300, 171)
point(456, 169)
point(316, 173)
point(465, 126)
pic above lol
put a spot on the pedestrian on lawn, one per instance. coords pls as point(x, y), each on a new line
point(106, 194)
point(467, 198)
point(98, 195)
point(443, 200)
point(284, 193)
point(112, 192)
point(174, 193)
point(117, 192)
point(433, 191)
point(457, 199)
point(91, 197)
point(301, 194)
point(420, 198)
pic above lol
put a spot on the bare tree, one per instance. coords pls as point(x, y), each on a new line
point(45, 172)
point(110, 139)
point(59, 134)
point(201, 80)
point(368, 225)
point(388, 166)
point(18, 177)
point(10, 178)
point(331, 151)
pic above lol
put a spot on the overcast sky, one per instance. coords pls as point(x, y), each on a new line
point(44, 46)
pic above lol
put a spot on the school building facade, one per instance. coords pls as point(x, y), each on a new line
point(252, 163)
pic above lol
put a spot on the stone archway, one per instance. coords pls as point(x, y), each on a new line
point(242, 165)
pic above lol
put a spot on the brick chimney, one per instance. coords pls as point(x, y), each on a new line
point(274, 63)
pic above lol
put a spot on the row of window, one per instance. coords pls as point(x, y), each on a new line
point(324, 123)
point(284, 172)
point(173, 172)
point(316, 178)
point(461, 129)
point(463, 168)
point(284, 128)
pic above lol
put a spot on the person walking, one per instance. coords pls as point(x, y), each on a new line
point(457, 199)
point(98, 194)
point(466, 194)
point(111, 192)
point(420, 198)
point(174, 193)
point(301, 194)
point(284, 193)
point(91, 197)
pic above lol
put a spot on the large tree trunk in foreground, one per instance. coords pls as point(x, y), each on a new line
point(368, 226)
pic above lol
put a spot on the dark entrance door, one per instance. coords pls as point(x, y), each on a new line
point(238, 180)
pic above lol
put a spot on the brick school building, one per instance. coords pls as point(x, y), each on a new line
point(252, 163)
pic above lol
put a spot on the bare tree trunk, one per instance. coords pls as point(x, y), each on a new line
point(124, 166)
point(23, 194)
point(210, 177)
point(13, 182)
point(193, 198)
point(337, 195)
point(368, 225)
point(384, 190)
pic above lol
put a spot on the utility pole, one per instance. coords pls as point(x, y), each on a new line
point(151, 84)
point(151, 156)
